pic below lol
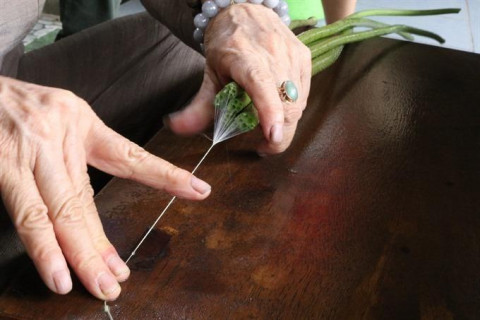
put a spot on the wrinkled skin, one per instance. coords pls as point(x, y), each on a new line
point(47, 137)
point(249, 44)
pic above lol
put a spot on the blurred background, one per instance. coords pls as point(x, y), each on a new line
point(461, 31)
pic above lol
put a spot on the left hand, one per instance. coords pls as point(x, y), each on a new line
point(47, 137)
point(251, 45)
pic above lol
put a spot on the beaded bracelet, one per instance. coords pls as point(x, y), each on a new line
point(211, 8)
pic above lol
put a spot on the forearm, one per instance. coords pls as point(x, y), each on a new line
point(337, 9)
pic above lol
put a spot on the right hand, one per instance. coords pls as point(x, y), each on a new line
point(47, 138)
point(249, 44)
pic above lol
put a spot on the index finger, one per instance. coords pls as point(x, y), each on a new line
point(116, 155)
point(262, 88)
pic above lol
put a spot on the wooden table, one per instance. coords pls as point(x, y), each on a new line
point(373, 213)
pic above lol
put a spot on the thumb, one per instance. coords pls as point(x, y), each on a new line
point(198, 114)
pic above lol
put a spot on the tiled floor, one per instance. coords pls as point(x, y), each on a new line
point(461, 31)
point(44, 32)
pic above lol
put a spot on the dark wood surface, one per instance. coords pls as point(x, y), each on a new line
point(372, 213)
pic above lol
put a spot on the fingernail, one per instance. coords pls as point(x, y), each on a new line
point(276, 133)
point(118, 267)
point(200, 186)
point(107, 283)
point(63, 282)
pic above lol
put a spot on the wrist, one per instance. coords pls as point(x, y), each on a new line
point(212, 8)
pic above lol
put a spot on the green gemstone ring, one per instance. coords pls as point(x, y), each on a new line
point(288, 92)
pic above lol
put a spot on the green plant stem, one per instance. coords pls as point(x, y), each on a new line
point(323, 46)
point(316, 34)
point(325, 60)
point(402, 12)
point(310, 22)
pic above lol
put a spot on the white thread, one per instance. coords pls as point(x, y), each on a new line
point(223, 130)
point(106, 308)
point(165, 209)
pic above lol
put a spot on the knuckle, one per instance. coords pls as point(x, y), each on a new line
point(134, 155)
point(102, 244)
point(84, 260)
point(86, 195)
point(173, 173)
point(70, 212)
point(226, 58)
point(257, 74)
point(232, 53)
point(44, 254)
point(34, 217)
point(65, 102)
point(271, 44)
point(65, 95)
point(235, 41)
point(57, 97)
point(42, 129)
point(293, 114)
point(86, 192)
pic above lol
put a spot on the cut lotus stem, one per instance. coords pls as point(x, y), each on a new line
point(247, 119)
point(329, 44)
point(233, 109)
point(228, 93)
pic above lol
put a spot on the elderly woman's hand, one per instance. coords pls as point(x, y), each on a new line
point(47, 137)
point(251, 45)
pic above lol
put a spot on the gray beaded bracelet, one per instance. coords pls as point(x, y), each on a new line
point(211, 8)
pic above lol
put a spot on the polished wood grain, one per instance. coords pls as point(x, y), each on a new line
point(372, 213)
